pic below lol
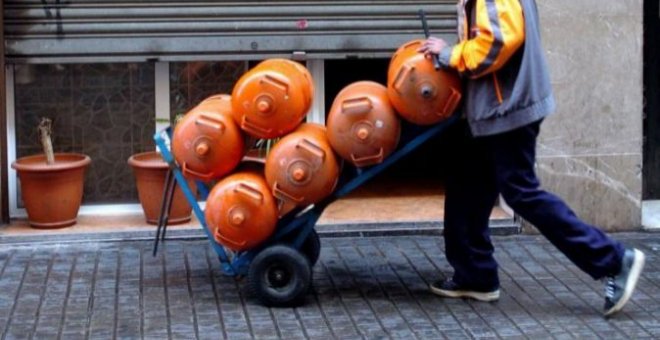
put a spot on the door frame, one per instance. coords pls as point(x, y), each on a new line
point(651, 150)
point(4, 178)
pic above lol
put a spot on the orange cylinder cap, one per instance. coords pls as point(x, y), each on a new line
point(202, 149)
point(363, 133)
point(299, 174)
point(263, 105)
point(237, 218)
point(427, 91)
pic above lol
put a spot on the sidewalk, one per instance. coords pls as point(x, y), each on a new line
point(379, 207)
point(374, 287)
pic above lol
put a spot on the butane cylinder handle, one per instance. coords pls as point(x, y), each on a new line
point(368, 160)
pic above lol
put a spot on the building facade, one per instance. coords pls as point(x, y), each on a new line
point(111, 74)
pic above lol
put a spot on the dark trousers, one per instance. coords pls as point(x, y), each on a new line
point(479, 169)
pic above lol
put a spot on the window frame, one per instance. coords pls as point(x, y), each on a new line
point(162, 113)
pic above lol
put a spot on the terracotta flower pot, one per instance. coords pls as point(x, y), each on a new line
point(52, 193)
point(150, 171)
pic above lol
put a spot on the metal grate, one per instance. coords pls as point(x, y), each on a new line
point(76, 30)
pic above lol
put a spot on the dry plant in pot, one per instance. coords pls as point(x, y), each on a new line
point(51, 183)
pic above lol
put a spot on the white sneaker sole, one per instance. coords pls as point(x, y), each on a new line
point(631, 282)
point(485, 297)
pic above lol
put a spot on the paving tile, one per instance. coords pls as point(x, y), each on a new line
point(374, 287)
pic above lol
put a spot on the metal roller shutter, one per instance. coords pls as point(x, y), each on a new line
point(96, 30)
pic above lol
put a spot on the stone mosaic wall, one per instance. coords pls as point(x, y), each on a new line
point(103, 110)
point(192, 82)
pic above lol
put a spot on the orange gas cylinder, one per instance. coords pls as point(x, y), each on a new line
point(207, 143)
point(302, 169)
point(218, 99)
point(240, 211)
point(272, 99)
point(362, 125)
point(421, 94)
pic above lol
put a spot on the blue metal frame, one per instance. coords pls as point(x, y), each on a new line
point(301, 222)
point(162, 139)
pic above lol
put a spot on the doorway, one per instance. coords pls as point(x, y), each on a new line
point(409, 194)
point(414, 167)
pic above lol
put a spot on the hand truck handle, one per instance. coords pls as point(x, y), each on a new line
point(427, 33)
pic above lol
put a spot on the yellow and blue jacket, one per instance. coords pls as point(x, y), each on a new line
point(499, 53)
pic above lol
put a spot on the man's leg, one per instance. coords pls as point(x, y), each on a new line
point(587, 246)
point(469, 200)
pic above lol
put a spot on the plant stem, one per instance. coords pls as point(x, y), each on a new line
point(45, 130)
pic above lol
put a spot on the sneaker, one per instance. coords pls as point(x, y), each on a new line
point(620, 287)
point(448, 288)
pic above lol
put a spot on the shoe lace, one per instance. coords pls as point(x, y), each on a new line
point(610, 286)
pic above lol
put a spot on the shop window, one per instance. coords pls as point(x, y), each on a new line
point(109, 112)
point(192, 82)
point(103, 110)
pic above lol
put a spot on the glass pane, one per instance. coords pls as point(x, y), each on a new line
point(192, 82)
point(103, 110)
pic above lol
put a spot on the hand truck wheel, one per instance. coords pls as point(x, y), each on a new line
point(280, 276)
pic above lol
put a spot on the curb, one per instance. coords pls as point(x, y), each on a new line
point(502, 227)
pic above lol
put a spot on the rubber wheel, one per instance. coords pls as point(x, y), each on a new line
point(312, 247)
point(280, 276)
